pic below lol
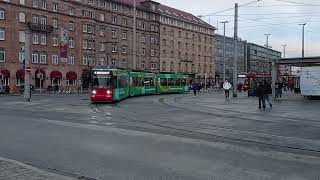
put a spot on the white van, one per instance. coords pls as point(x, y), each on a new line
point(310, 81)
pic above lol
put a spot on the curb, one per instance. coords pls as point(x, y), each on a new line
point(49, 175)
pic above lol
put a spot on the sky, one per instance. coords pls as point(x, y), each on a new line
point(280, 18)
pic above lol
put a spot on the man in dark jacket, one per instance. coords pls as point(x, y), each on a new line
point(267, 91)
point(260, 94)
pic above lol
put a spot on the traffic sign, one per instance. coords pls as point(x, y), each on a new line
point(28, 69)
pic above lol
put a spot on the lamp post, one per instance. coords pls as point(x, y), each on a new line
point(224, 49)
point(302, 53)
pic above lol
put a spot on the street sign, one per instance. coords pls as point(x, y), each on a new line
point(28, 69)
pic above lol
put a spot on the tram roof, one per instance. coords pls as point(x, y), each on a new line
point(299, 61)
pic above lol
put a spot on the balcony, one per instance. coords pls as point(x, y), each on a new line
point(39, 27)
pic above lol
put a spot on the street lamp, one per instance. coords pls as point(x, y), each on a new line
point(224, 49)
point(303, 38)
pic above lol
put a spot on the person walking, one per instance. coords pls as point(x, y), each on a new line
point(267, 92)
point(260, 94)
point(279, 87)
point(226, 87)
point(194, 88)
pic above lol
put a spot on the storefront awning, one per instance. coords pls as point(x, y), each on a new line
point(5, 73)
point(20, 73)
point(71, 75)
point(55, 74)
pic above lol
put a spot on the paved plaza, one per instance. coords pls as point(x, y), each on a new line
point(178, 136)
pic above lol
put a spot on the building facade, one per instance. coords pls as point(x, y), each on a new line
point(186, 44)
point(241, 64)
point(260, 57)
point(251, 57)
point(68, 37)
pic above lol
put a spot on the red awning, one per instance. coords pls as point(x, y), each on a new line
point(40, 71)
point(20, 73)
point(55, 74)
point(71, 75)
point(5, 73)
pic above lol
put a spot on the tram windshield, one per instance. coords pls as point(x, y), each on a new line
point(101, 80)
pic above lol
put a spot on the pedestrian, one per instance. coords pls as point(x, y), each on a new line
point(279, 88)
point(260, 94)
point(226, 87)
point(267, 92)
point(194, 88)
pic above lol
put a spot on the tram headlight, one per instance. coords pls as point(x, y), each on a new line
point(94, 92)
point(109, 92)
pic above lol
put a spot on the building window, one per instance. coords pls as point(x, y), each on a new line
point(71, 11)
point(85, 60)
point(143, 65)
point(43, 39)
point(113, 33)
point(35, 19)
point(102, 31)
point(102, 60)
point(71, 59)
point(124, 22)
point(35, 57)
point(152, 53)
point(55, 7)
point(91, 44)
point(154, 66)
point(55, 23)
point(43, 58)
point(124, 49)
point(124, 62)
point(91, 2)
point(2, 34)
point(102, 48)
point(2, 13)
point(55, 59)
point(124, 35)
point(115, 6)
point(54, 40)
point(22, 17)
point(143, 52)
point(101, 17)
point(71, 42)
point(35, 3)
point(114, 48)
point(22, 2)
point(85, 44)
point(152, 28)
point(114, 19)
point(143, 39)
point(43, 20)
point(113, 62)
point(71, 25)
point(143, 26)
point(2, 55)
point(35, 38)
point(44, 4)
point(22, 36)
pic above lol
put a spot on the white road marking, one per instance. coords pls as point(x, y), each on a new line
point(94, 122)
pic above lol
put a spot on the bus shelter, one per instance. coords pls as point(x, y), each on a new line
point(294, 62)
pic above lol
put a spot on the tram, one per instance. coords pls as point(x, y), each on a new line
point(111, 84)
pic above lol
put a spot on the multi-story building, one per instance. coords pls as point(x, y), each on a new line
point(229, 59)
point(251, 57)
point(68, 37)
point(260, 57)
point(186, 44)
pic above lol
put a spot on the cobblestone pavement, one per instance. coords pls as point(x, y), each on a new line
point(13, 170)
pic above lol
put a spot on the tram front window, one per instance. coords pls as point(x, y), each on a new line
point(102, 81)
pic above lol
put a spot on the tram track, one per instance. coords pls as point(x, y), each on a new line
point(185, 132)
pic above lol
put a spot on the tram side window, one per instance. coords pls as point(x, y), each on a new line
point(147, 82)
point(152, 82)
point(123, 82)
point(115, 82)
point(170, 82)
point(183, 82)
point(177, 82)
point(135, 81)
point(164, 82)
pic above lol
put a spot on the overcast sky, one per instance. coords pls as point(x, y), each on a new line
point(280, 18)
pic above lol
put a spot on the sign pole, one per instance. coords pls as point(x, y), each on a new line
point(27, 76)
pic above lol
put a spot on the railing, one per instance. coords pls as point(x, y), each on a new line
point(40, 27)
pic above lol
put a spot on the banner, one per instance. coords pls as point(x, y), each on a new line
point(64, 45)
